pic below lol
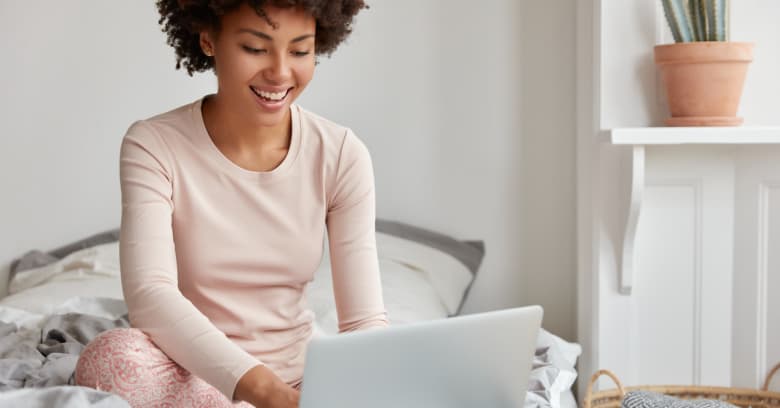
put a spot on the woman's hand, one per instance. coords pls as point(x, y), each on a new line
point(262, 388)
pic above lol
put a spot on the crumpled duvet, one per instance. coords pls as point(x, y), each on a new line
point(552, 372)
point(45, 355)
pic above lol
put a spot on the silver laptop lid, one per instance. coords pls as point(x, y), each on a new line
point(478, 360)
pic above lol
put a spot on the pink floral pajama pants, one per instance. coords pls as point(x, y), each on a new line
point(126, 362)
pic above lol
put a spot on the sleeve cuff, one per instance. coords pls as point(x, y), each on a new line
point(228, 388)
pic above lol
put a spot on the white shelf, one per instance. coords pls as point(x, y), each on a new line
point(640, 138)
point(696, 135)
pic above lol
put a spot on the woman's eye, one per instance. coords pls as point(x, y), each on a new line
point(253, 50)
point(300, 53)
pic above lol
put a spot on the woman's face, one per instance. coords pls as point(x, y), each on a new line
point(262, 70)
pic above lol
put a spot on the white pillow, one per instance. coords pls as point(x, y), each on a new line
point(89, 272)
point(97, 261)
point(45, 298)
point(449, 277)
point(407, 295)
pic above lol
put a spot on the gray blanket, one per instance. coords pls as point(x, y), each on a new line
point(46, 357)
point(648, 399)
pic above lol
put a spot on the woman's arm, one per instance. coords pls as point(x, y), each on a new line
point(351, 234)
point(149, 271)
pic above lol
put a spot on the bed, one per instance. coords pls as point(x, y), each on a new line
point(59, 300)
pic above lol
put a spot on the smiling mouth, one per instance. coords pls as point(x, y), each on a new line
point(270, 96)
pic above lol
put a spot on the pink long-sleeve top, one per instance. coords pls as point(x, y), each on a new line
point(215, 258)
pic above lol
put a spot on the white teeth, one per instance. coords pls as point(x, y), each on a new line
point(274, 96)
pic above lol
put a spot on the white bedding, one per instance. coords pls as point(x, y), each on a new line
point(418, 284)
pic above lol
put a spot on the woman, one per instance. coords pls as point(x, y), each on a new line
point(225, 203)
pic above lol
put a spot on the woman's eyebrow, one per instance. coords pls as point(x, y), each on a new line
point(265, 36)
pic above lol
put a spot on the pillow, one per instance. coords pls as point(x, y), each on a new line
point(96, 261)
point(46, 299)
point(37, 258)
point(408, 296)
point(468, 253)
point(88, 272)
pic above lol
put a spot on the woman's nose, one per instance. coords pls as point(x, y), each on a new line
point(279, 70)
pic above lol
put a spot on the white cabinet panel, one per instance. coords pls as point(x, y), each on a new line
point(756, 265)
point(683, 283)
point(665, 296)
point(772, 311)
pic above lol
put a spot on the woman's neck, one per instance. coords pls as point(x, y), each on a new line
point(229, 130)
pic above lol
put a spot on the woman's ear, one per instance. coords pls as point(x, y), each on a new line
point(206, 43)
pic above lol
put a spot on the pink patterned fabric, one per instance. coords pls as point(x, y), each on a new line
point(126, 362)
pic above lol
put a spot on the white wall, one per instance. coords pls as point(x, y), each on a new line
point(756, 21)
point(74, 76)
point(631, 29)
point(547, 156)
point(467, 112)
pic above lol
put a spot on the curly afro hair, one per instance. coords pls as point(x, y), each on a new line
point(182, 21)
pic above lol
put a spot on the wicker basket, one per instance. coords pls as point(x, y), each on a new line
point(742, 397)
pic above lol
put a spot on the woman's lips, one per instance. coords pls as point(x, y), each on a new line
point(266, 99)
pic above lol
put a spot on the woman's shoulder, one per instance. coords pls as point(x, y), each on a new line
point(327, 129)
point(159, 136)
point(165, 125)
point(332, 135)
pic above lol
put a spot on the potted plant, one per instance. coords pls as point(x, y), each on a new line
point(703, 72)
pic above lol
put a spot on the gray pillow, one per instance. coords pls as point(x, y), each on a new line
point(470, 253)
point(36, 258)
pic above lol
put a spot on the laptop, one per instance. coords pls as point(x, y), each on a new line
point(478, 360)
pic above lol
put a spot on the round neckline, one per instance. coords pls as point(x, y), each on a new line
point(234, 169)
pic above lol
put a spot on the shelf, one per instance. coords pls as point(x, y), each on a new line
point(640, 138)
point(695, 135)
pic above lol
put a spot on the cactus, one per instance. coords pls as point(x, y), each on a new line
point(697, 20)
point(696, 10)
point(718, 12)
point(678, 22)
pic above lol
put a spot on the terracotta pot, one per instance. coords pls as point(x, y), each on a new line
point(704, 81)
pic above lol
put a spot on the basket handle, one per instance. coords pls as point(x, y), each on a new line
point(594, 377)
point(769, 377)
